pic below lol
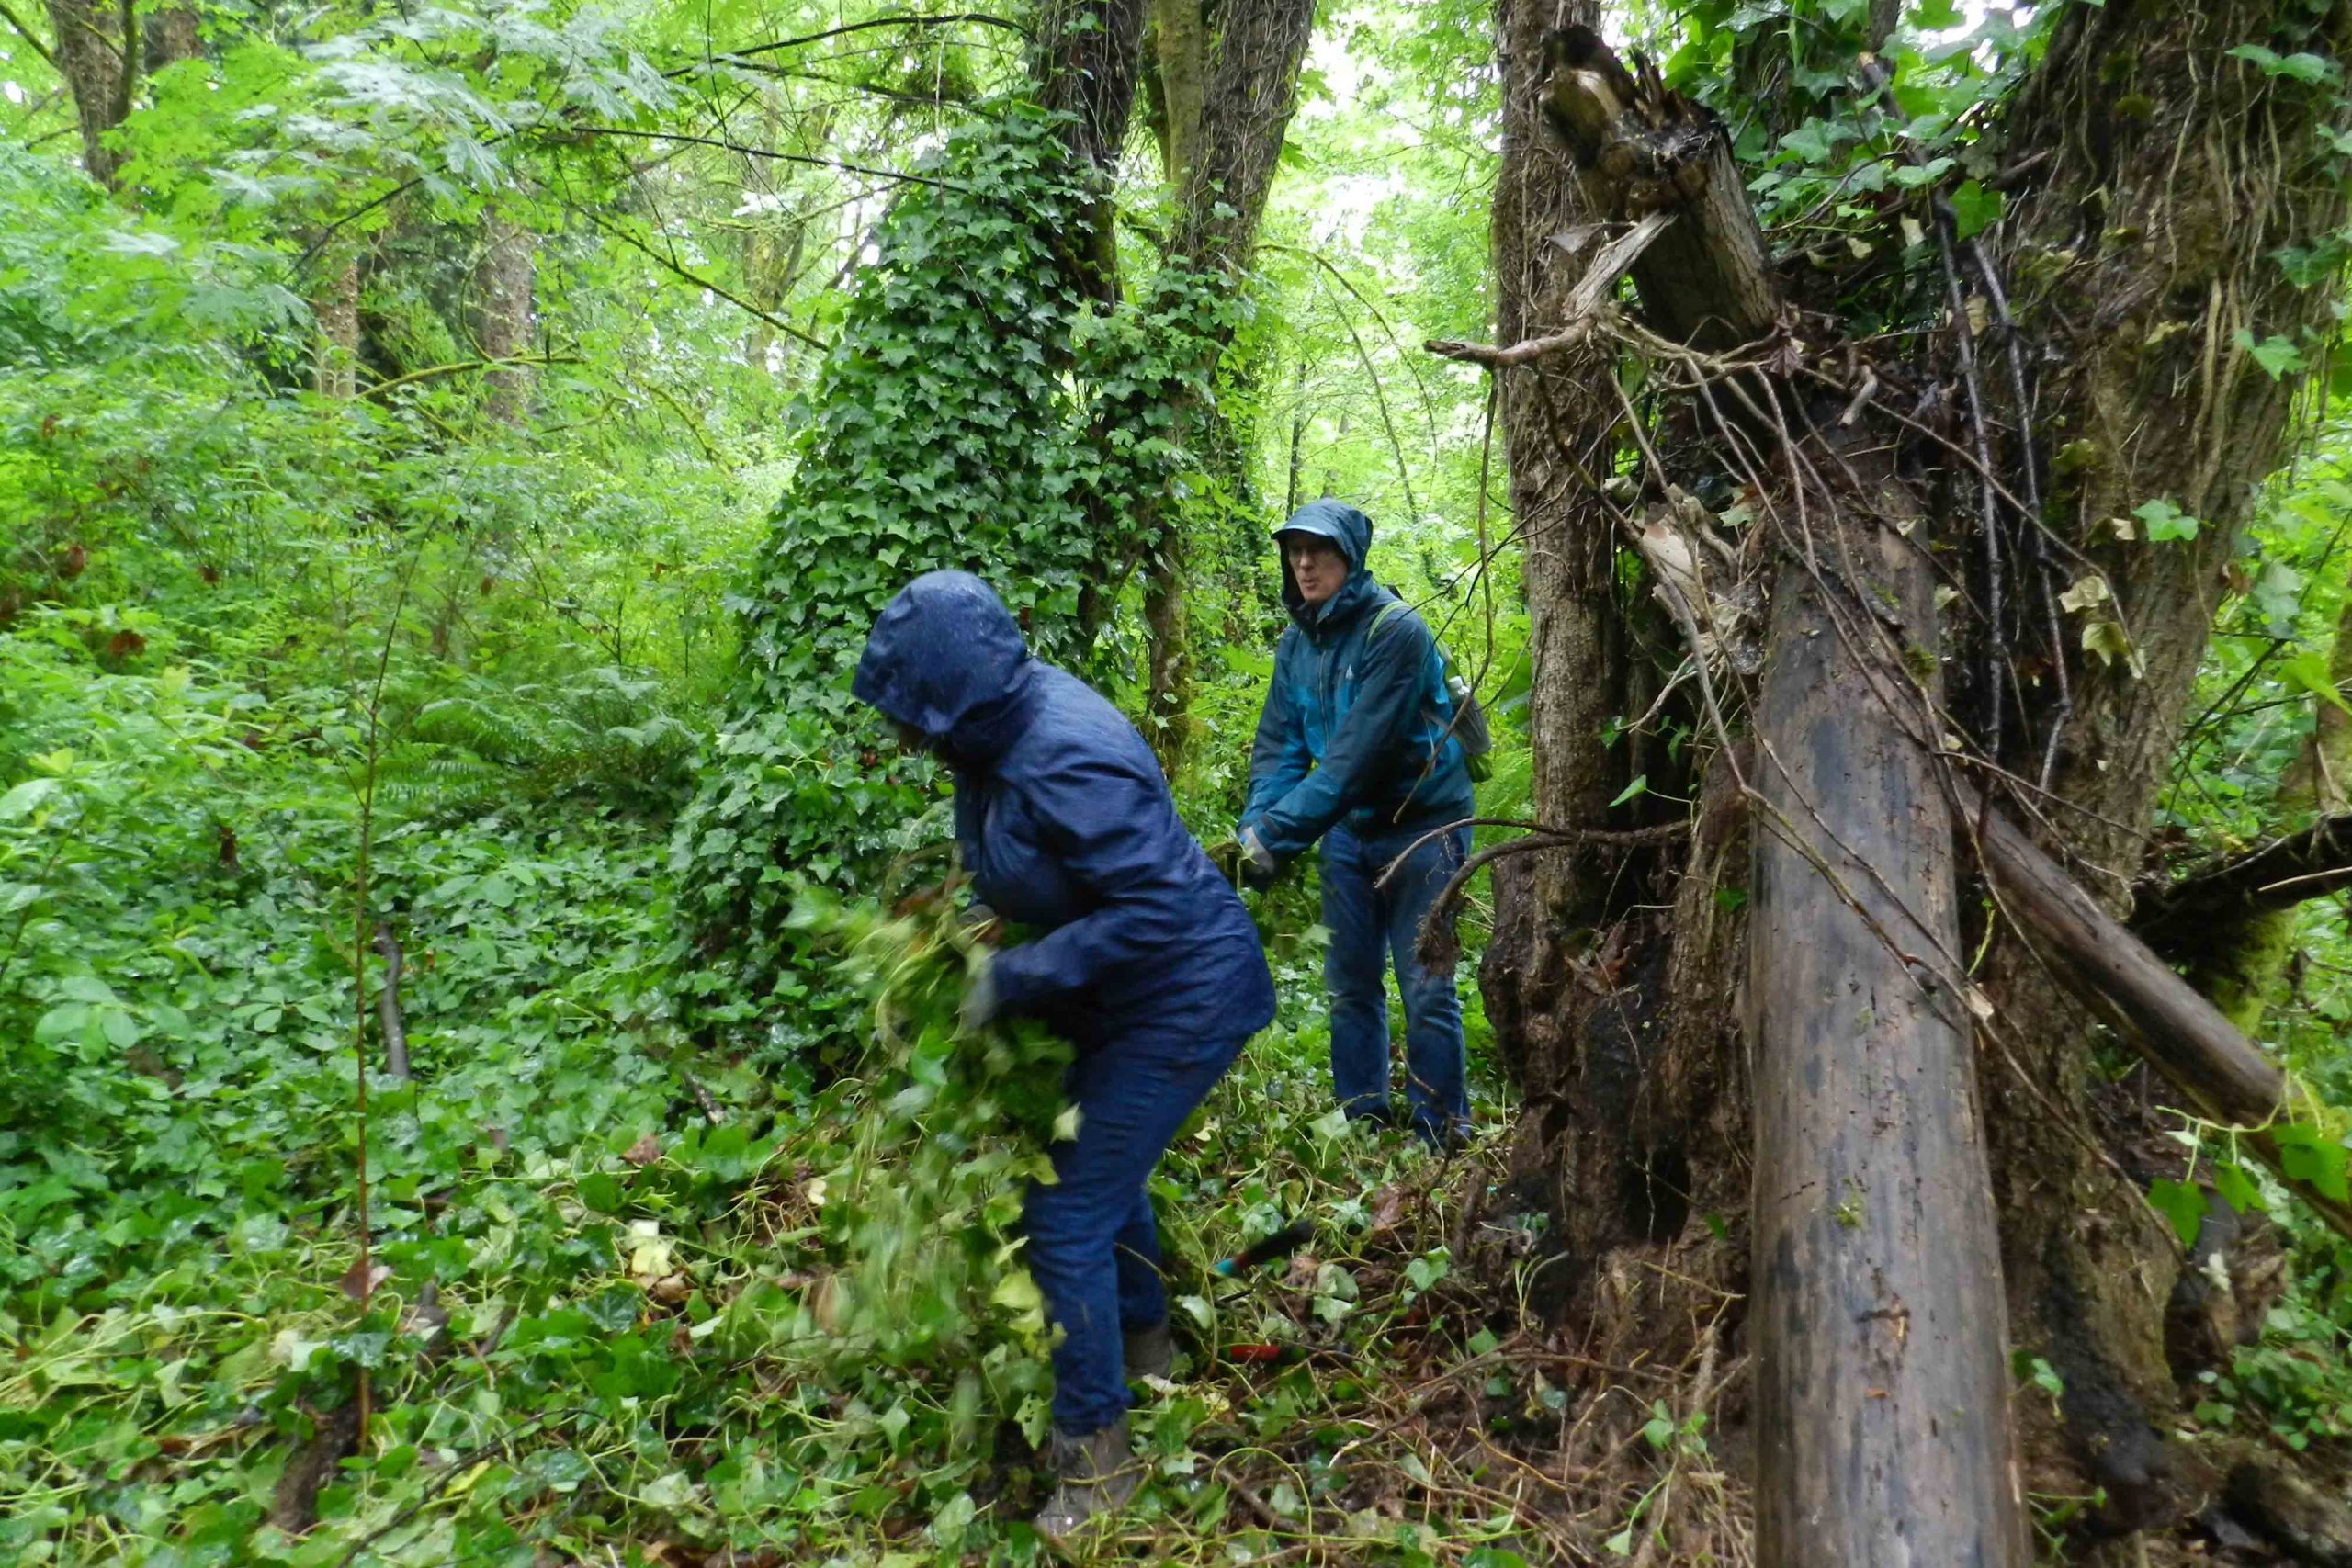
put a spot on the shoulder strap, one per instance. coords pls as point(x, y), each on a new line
point(1385, 615)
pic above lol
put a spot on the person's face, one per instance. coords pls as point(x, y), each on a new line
point(1316, 565)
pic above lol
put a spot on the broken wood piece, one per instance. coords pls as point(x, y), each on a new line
point(1584, 311)
point(2183, 1035)
point(388, 1005)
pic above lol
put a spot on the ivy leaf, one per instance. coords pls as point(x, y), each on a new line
point(2180, 1203)
point(1639, 786)
point(2310, 68)
point(1974, 209)
point(2165, 522)
point(2237, 1188)
point(1815, 142)
point(2276, 355)
point(2308, 672)
point(1913, 177)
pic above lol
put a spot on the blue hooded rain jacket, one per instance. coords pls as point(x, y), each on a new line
point(1356, 721)
point(1065, 824)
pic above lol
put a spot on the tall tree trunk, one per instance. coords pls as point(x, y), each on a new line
point(100, 72)
point(1582, 1139)
point(1179, 38)
point(1230, 99)
point(174, 35)
point(2157, 403)
point(503, 276)
point(335, 369)
point(1084, 56)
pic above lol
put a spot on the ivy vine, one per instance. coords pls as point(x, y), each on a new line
point(979, 410)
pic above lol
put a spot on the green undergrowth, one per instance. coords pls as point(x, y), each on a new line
point(634, 1302)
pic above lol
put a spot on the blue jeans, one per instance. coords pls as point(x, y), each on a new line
point(1369, 926)
point(1092, 1247)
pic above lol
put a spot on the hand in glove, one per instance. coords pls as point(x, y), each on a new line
point(1258, 867)
point(982, 925)
point(979, 1006)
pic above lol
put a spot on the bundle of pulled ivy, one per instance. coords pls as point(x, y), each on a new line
point(938, 1137)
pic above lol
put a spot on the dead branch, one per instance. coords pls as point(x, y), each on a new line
point(2182, 1035)
point(1585, 306)
point(2280, 874)
point(388, 1006)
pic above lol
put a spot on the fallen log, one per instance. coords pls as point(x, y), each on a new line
point(2224, 1077)
point(1882, 1368)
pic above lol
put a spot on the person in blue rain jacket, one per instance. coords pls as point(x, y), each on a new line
point(1147, 963)
point(1355, 747)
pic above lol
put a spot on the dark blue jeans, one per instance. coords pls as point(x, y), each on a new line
point(1370, 926)
point(1092, 1247)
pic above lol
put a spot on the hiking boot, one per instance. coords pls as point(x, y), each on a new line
point(1150, 1353)
point(1098, 1475)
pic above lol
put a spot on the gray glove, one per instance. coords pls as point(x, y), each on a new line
point(1259, 866)
point(978, 1009)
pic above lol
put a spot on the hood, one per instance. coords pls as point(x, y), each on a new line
point(1349, 529)
point(946, 659)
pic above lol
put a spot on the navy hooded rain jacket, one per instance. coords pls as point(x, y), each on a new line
point(1064, 823)
point(1356, 723)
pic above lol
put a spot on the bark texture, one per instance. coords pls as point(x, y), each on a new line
point(1229, 95)
point(2164, 177)
point(98, 72)
point(1556, 446)
point(2175, 173)
point(505, 269)
point(1881, 1376)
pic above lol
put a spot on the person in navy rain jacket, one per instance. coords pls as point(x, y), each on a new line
point(1147, 964)
point(1356, 748)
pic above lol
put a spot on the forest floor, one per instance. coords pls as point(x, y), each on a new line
point(596, 1323)
point(583, 1330)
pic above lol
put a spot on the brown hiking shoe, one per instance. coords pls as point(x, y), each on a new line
point(1098, 1475)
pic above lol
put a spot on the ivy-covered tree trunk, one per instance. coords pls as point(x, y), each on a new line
point(952, 425)
point(2178, 204)
point(335, 365)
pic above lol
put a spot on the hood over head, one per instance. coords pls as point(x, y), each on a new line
point(947, 660)
point(1346, 527)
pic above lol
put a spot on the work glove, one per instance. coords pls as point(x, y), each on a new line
point(980, 1005)
point(1246, 862)
point(982, 924)
point(1258, 867)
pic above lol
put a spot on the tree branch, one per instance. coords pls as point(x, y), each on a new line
point(960, 17)
point(778, 323)
point(2280, 874)
point(1583, 312)
point(432, 372)
point(739, 149)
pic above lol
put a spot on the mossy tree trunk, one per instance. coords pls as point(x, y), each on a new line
point(2167, 174)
